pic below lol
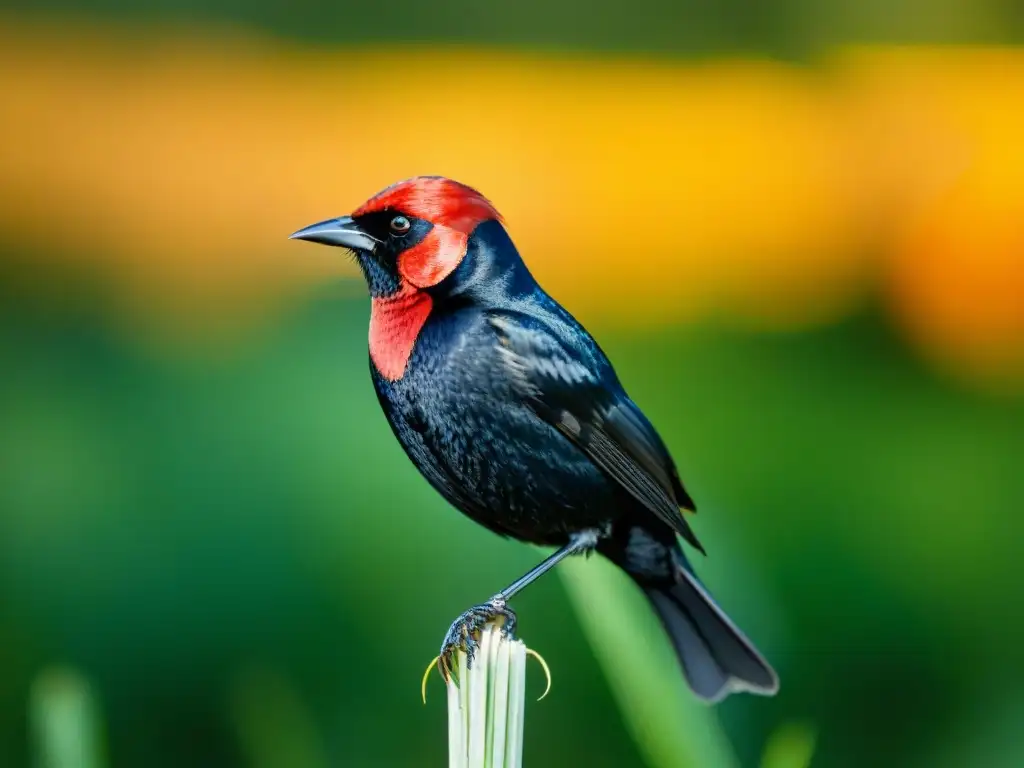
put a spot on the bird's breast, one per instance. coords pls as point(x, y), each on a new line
point(458, 417)
point(395, 324)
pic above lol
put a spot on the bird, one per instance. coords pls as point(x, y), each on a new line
point(512, 412)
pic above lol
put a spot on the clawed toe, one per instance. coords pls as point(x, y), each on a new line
point(464, 633)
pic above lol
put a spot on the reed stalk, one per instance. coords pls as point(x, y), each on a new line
point(487, 703)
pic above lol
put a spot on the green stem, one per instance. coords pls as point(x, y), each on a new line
point(671, 728)
point(66, 721)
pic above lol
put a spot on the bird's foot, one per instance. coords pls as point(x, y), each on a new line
point(464, 633)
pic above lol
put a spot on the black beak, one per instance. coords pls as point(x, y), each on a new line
point(343, 232)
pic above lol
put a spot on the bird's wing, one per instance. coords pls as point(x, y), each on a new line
point(600, 420)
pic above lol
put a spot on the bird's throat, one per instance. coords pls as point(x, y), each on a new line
point(395, 324)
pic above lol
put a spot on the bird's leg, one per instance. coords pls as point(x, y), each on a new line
point(578, 543)
point(464, 630)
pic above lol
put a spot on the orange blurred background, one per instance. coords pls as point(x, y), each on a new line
point(176, 160)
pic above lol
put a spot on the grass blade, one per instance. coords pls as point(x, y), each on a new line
point(670, 726)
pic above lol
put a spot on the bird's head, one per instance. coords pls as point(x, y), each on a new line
point(409, 239)
point(410, 236)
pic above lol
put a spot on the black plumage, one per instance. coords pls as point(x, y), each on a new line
point(514, 414)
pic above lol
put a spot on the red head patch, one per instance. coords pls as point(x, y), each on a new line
point(453, 208)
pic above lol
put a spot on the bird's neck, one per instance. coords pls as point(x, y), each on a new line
point(490, 274)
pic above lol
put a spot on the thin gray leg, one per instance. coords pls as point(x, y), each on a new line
point(580, 542)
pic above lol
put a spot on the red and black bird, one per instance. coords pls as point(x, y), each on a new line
point(512, 412)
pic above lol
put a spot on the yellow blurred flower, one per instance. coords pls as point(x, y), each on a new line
point(639, 190)
point(955, 267)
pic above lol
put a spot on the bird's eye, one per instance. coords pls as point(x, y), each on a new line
point(400, 225)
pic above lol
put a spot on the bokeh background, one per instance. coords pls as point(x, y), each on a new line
point(796, 227)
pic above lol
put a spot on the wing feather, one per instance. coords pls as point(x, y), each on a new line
point(599, 419)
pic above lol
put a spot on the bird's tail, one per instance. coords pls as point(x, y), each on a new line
point(716, 656)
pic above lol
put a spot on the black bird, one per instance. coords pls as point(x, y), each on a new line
point(513, 413)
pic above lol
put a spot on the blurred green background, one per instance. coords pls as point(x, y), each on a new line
point(212, 550)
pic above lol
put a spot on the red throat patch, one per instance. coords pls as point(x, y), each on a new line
point(395, 324)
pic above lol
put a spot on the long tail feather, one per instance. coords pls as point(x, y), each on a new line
point(717, 658)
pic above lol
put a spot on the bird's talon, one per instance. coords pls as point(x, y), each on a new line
point(508, 626)
point(464, 633)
